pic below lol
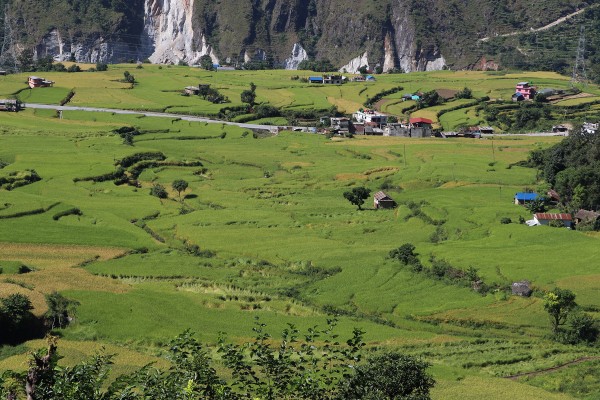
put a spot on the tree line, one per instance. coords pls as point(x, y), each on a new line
point(572, 168)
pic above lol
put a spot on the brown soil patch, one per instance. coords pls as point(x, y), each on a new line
point(447, 93)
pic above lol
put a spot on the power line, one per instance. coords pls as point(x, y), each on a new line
point(579, 74)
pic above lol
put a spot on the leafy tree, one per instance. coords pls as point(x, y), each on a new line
point(580, 327)
point(44, 64)
point(75, 68)
point(206, 62)
point(15, 308)
point(60, 309)
point(15, 312)
point(559, 303)
point(59, 67)
point(101, 66)
point(127, 77)
point(536, 206)
point(466, 93)
point(249, 96)
point(159, 191)
point(430, 99)
point(357, 196)
point(405, 254)
point(316, 65)
point(180, 186)
point(389, 376)
point(25, 61)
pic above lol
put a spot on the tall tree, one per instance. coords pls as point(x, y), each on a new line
point(357, 196)
point(559, 303)
point(180, 186)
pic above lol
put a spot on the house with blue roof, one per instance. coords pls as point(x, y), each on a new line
point(315, 79)
point(523, 198)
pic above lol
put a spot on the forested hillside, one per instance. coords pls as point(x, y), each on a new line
point(403, 35)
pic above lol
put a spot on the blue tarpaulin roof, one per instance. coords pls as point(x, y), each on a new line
point(523, 196)
point(315, 78)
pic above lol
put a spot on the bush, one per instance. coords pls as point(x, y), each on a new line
point(101, 67)
point(70, 211)
point(389, 376)
point(159, 191)
point(505, 220)
point(74, 68)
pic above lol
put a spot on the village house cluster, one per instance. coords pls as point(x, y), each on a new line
point(371, 122)
point(561, 219)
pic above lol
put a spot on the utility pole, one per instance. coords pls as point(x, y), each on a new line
point(8, 58)
point(579, 74)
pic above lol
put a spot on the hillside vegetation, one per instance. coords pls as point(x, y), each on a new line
point(411, 33)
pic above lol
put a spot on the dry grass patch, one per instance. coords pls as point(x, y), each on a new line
point(344, 105)
point(381, 170)
point(76, 351)
point(350, 177)
point(55, 256)
point(37, 298)
point(60, 279)
point(385, 153)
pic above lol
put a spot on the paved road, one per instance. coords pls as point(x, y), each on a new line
point(217, 121)
point(155, 114)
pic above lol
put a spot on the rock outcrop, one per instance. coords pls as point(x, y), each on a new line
point(409, 35)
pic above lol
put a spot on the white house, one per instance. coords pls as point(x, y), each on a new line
point(362, 116)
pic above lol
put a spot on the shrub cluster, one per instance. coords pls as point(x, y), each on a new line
point(128, 161)
point(70, 211)
point(19, 178)
point(441, 270)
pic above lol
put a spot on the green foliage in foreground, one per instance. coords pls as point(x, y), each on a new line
point(313, 365)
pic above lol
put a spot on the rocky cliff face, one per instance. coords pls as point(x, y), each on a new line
point(411, 35)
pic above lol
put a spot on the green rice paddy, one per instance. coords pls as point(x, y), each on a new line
point(276, 238)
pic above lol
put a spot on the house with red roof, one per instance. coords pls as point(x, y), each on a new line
point(546, 218)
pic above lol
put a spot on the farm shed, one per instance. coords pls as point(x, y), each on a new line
point(522, 198)
point(315, 79)
point(586, 216)
point(553, 196)
point(546, 218)
point(521, 288)
point(191, 90)
point(10, 105)
point(332, 79)
point(382, 200)
point(36, 81)
point(560, 129)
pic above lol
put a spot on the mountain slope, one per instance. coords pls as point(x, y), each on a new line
point(406, 34)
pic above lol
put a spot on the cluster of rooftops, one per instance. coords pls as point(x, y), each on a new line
point(544, 218)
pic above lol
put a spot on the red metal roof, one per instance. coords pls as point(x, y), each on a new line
point(550, 216)
point(421, 120)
